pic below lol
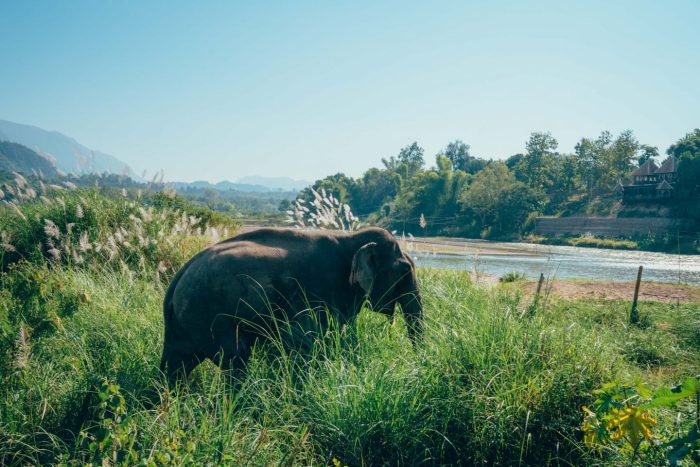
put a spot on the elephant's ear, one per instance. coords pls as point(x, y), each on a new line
point(363, 266)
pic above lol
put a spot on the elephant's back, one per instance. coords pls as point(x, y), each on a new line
point(234, 277)
point(227, 271)
point(217, 265)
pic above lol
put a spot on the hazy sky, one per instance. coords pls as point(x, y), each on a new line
point(219, 90)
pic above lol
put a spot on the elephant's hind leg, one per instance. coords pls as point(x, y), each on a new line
point(232, 359)
point(234, 370)
point(178, 366)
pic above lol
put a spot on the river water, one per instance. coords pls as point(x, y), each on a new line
point(563, 262)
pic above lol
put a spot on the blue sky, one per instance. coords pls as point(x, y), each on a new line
point(219, 90)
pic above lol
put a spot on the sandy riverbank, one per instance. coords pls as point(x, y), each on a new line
point(458, 246)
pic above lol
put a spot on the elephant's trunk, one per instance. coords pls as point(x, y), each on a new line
point(413, 314)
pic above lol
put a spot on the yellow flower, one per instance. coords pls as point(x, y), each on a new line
point(590, 427)
point(632, 423)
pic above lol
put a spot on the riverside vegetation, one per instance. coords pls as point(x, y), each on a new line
point(473, 197)
point(495, 381)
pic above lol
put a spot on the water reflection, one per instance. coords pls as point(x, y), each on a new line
point(566, 262)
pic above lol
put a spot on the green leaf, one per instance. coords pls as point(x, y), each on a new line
point(690, 385)
point(643, 390)
point(681, 446)
point(606, 401)
point(666, 397)
point(676, 455)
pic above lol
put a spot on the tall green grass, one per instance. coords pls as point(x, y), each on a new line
point(487, 385)
point(490, 384)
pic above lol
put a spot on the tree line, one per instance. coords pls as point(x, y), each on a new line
point(462, 194)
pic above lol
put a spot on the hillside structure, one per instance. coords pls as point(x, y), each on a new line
point(650, 182)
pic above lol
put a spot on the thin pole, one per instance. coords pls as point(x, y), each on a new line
point(533, 305)
point(634, 314)
point(539, 286)
point(678, 236)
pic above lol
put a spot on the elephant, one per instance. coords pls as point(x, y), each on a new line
point(238, 291)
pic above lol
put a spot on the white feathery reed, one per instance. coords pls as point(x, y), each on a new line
point(20, 181)
point(325, 212)
point(5, 242)
point(84, 242)
point(23, 348)
point(55, 253)
point(18, 211)
point(51, 230)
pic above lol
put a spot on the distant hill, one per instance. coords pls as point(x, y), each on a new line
point(17, 158)
point(284, 183)
point(221, 186)
point(252, 184)
point(68, 155)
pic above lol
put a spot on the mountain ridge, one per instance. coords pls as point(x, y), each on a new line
point(67, 154)
point(15, 157)
point(247, 184)
point(285, 183)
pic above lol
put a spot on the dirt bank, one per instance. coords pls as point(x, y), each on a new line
point(649, 291)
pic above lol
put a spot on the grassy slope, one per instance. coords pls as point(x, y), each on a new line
point(489, 385)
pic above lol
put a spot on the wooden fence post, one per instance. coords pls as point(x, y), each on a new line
point(539, 286)
point(533, 305)
point(634, 314)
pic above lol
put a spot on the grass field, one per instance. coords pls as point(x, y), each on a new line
point(495, 381)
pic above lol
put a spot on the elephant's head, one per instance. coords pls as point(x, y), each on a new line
point(388, 276)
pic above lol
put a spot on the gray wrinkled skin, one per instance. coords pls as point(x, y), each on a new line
point(278, 283)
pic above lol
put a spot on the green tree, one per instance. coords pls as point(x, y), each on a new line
point(374, 191)
point(500, 201)
point(513, 161)
point(623, 156)
point(537, 165)
point(593, 157)
point(517, 203)
point(433, 193)
point(452, 184)
point(687, 190)
point(458, 154)
point(566, 181)
point(408, 162)
point(412, 155)
point(690, 143)
point(584, 151)
point(647, 152)
point(340, 185)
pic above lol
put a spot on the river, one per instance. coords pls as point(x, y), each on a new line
point(562, 262)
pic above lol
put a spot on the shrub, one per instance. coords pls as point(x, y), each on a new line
point(84, 228)
point(513, 276)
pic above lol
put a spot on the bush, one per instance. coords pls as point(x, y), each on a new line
point(84, 228)
point(513, 276)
